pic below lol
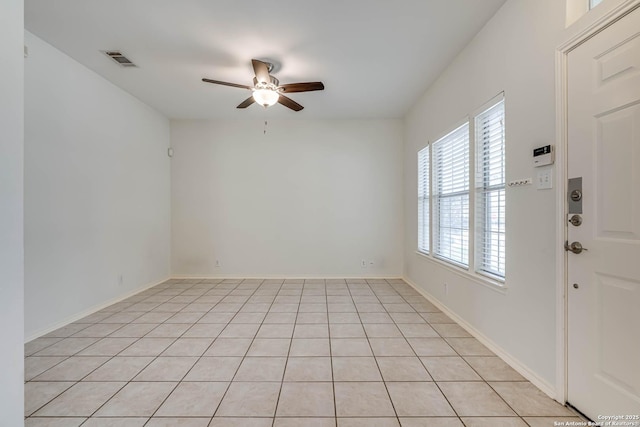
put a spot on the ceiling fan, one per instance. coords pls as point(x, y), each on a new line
point(267, 89)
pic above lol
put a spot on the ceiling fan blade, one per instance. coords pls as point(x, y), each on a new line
point(246, 102)
point(289, 103)
point(218, 82)
point(302, 87)
point(261, 70)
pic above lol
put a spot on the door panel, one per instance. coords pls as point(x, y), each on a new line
point(617, 163)
point(603, 297)
point(620, 62)
point(617, 352)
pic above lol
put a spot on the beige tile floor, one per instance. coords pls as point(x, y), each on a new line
point(275, 353)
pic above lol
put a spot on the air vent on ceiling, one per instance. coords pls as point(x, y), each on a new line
point(118, 57)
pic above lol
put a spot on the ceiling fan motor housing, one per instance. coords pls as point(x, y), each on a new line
point(272, 84)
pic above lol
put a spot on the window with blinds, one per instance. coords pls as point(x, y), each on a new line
point(461, 197)
point(490, 192)
point(423, 200)
point(451, 196)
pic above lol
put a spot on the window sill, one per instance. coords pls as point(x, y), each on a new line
point(494, 285)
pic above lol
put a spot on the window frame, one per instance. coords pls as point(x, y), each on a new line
point(478, 189)
point(469, 271)
point(437, 197)
point(421, 197)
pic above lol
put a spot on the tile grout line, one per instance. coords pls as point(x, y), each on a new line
point(76, 382)
point(248, 347)
point(431, 375)
point(198, 359)
point(397, 417)
point(461, 357)
point(154, 358)
point(192, 324)
point(333, 379)
point(131, 380)
point(286, 362)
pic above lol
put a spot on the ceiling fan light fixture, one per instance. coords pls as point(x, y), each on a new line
point(266, 96)
point(266, 89)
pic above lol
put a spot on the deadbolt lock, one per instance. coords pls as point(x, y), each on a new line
point(576, 220)
point(574, 195)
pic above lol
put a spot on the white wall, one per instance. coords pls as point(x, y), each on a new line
point(514, 53)
point(97, 181)
point(11, 210)
point(309, 198)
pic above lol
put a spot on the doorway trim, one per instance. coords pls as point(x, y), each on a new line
point(562, 105)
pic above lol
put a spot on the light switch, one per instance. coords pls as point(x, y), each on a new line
point(545, 180)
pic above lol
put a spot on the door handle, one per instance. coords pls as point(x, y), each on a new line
point(575, 247)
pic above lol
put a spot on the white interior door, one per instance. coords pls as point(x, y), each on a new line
point(604, 281)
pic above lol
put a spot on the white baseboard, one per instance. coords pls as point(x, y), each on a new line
point(546, 387)
point(90, 310)
point(285, 277)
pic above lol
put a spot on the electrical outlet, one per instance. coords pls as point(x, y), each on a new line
point(218, 263)
point(363, 263)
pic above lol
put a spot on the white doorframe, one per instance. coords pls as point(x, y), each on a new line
point(562, 84)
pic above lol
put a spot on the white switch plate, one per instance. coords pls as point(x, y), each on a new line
point(545, 180)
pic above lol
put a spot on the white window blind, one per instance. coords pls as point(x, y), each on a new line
point(423, 200)
point(451, 196)
point(490, 191)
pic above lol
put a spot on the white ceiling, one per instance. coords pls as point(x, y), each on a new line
point(375, 57)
